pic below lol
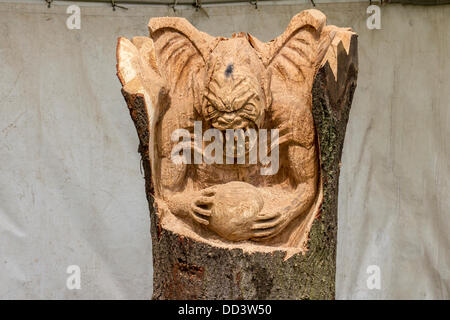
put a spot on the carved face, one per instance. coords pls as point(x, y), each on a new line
point(234, 96)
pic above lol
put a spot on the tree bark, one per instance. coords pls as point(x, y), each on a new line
point(187, 269)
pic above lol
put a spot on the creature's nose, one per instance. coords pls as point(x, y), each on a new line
point(226, 117)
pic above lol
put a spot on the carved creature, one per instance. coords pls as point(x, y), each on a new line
point(185, 77)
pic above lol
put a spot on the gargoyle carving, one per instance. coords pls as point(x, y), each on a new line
point(213, 90)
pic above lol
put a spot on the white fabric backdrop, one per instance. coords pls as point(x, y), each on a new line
point(71, 190)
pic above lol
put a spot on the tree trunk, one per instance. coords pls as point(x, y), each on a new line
point(187, 269)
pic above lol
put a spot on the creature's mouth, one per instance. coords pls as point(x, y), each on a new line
point(239, 136)
point(230, 121)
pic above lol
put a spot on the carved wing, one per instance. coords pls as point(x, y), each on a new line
point(295, 55)
point(182, 52)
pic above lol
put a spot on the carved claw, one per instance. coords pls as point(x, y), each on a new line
point(209, 192)
point(200, 215)
point(268, 226)
point(201, 207)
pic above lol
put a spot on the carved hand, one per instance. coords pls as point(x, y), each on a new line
point(269, 225)
point(201, 206)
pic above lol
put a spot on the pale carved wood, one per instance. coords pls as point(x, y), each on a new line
point(207, 217)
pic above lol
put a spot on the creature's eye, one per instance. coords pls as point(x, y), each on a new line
point(211, 112)
point(248, 107)
point(210, 108)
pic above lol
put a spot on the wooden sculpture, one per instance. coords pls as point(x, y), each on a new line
point(232, 147)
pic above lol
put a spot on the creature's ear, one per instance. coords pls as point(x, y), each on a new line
point(295, 55)
point(181, 51)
